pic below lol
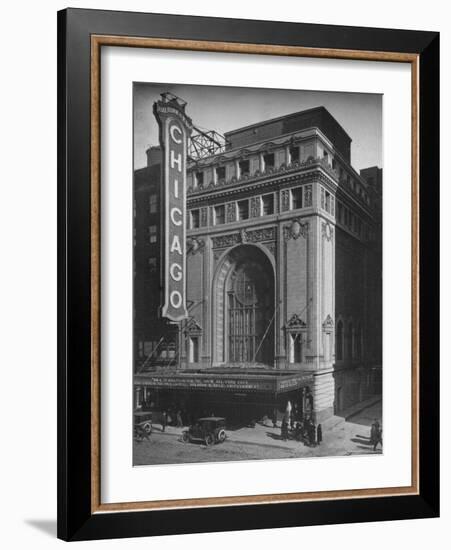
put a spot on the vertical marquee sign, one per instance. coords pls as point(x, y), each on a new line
point(175, 129)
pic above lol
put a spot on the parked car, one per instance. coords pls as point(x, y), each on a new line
point(143, 421)
point(209, 430)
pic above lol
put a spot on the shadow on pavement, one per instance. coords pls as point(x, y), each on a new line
point(362, 441)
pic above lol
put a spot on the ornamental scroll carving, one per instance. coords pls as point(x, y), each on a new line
point(296, 229)
point(258, 235)
point(328, 322)
point(327, 231)
point(254, 236)
point(295, 322)
point(195, 245)
point(225, 241)
point(193, 327)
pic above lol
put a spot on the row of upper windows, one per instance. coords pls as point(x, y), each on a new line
point(327, 201)
point(153, 204)
point(352, 222)
point(345, 217)
point(349, 341)
point(262, 162)
point(263, 205)
point(235, 211)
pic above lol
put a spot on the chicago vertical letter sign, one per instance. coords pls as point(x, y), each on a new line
point(175, 129)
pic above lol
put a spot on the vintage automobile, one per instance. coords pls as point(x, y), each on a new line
point(209, 430)
point(142, 424)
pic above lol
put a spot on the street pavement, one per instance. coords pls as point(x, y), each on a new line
point(340, 438)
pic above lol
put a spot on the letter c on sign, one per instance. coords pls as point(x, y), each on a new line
point(176, 210)
point(172, 131)
point(175, 299)
point(177, 276)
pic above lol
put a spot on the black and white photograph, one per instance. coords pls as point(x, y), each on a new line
point(257, 281)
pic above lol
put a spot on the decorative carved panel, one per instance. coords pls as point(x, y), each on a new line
point(204, 216)
point(255, 207)
point(230, 212)
point(226, 240)
point(285, 200)
point(296, 229)
point(307, 195)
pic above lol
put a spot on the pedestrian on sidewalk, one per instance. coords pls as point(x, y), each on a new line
point(179, 419)
point(312, 434)
point(284, 429)
point(378, 439)
point(319, 434)
point(164, 421)
point(374, 433)
point(274, 418)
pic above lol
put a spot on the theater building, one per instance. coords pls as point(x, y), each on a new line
point(284, 276)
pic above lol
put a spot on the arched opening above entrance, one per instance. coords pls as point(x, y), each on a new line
point(244, 308)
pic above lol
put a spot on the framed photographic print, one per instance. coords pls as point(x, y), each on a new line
point(248, 274)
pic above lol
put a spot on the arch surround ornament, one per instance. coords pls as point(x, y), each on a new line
point(226, 266)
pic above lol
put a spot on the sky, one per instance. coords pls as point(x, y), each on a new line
point(227, 108)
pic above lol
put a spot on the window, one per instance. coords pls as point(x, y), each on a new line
point(152, 264)
point(328, 201)
point(325, 155)
point(244, 167)
point(193, 352)
point(339, 344)
point(349, 341)
point(294, 154)
point(358, 343)
point(199, 179)
point(334, 164)
point(195, 219)
point(295, 348)
point(268, 205)
point(153, 234)
point(296, 198)
point(219, 214)
point(153, 198)
point(243, 210)
point(148, 348)
point(268, 160)
point(340, 212)
point(220, 173)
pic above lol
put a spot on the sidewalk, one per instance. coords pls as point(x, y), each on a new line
point(268, 436)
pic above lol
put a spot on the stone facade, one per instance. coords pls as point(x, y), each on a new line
point(297, 218)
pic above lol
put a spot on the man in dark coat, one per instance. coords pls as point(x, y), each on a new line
point(312, 434)
point(319, 434)
point(284, 429)
point(377, 437)
point(374, 433)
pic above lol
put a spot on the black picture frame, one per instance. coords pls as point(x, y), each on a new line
point(76, 520)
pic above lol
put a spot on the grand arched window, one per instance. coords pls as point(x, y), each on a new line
point(250, 310)
point(339, 341)
point(358, 343)
point(349, 341)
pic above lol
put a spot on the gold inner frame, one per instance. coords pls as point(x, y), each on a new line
point(97, 41)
